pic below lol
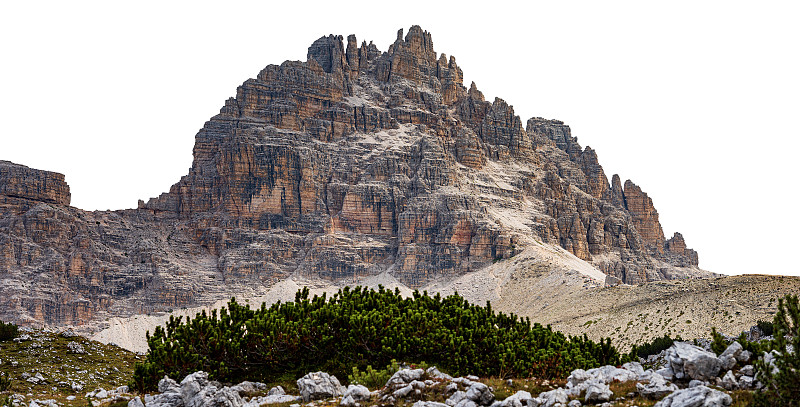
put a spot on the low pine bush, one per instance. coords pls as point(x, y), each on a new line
point(8, 331)
point(372, 378)
point(766, 327)
point(781, 378)
point(756, 348)
point(5, 382)
point(718, 342)
point(360, 328)
point(651, 348)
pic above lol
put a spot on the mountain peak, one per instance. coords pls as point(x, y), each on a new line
point(353, 164)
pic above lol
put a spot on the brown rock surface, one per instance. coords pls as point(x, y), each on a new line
point(677, 245)
point(645, 216)
point(352, 164)
point(19, 181)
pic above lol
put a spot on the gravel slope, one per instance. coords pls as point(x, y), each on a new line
point(551, 286)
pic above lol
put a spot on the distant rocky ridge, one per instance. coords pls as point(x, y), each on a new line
point(354, 163)
point(18, 181)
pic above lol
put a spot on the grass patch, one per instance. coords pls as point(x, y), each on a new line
point(532, 385)
point(625, 388)
point(741, 398)
point(102, 366)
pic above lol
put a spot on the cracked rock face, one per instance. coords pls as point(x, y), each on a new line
point(19, 181)
point(688, 362)
point(696, 397)
point(350, 164)
point(319, 385)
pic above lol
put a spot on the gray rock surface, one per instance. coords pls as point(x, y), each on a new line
point(550, 398)
point(747, 382)
point(691, 362)
point(729, 381)
point(404, 377)
point(518, 399)
point(597, 391)
point(75, 347)
point(248, 388)
point(666, 373)
point(435, 373)
point(730, 356)
point(745, 356)
point(480, 394)
point(195, 390)
point(354, 394)
point(224, 397)
point(579, 379)
point(319, 385)
point(747, 370)
point(456, 398)
point(769, 360)
point(657, 388)
point(403, 392)
point(273, 399)
point(170, 395)
point(638, 370)
point(429, 404)
point(700, 396)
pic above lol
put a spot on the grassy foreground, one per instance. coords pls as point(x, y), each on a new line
point(47, 353)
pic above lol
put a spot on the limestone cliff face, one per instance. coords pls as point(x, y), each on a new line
point(353, 163)
point(645, 216)
point(19, 181)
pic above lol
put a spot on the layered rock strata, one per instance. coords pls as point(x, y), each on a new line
point(353, 163)
point(19, 181)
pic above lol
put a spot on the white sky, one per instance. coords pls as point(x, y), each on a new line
point(695, 101)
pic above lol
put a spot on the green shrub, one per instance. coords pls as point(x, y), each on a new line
point(753, 347)
point(718, 342)
point(782, 386)
point(359, 328)
point(652, 348)
point(5, 381)
point(372, 378)
point(8, 331)
point(766, 327)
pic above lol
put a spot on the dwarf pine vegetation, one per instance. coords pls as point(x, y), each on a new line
point(357, 328)
point(781, 376)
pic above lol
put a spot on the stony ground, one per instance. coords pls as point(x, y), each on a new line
point(688, 308)
point(54, 366)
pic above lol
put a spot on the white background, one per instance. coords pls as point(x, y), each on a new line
point(695, 101)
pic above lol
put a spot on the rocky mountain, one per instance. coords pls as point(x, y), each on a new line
point(352, 164)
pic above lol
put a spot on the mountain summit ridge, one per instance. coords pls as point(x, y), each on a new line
point(354, 163)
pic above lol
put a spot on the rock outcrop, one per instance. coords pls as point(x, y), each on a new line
point(677, 245)
point(688, 362)
point(696, 397)
point(319, 385)
point(20, 182)
point(353, 163)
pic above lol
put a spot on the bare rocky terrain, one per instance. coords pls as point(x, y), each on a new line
point(354, 164)
point(552, 286)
